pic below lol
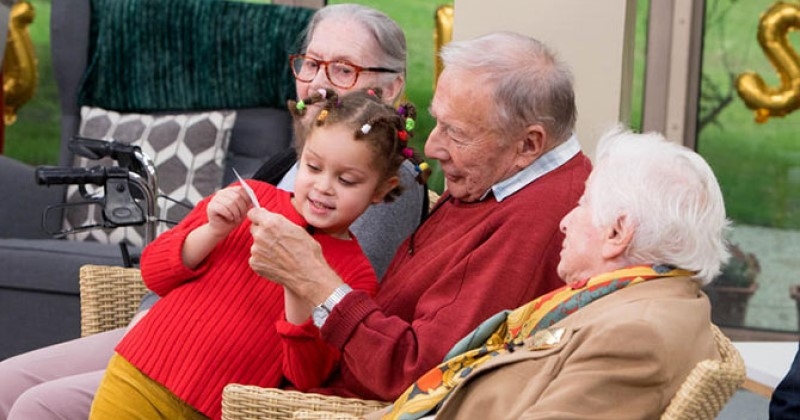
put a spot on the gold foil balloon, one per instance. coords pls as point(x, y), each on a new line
point(19, 62)
point(773, 36)
point(442, 35)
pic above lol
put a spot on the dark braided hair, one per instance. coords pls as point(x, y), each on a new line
point(387, 130)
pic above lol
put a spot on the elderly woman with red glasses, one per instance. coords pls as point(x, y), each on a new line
point(356, 47)
point(349, 47)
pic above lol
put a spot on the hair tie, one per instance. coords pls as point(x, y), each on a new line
point(365, 128)
point(300, 105)
point(408, 152)
point(422, 167)
point(402, 135)
point(322, 115)
point(409, 124)
point(323, 93)
point(402, 110)
point(371, 92)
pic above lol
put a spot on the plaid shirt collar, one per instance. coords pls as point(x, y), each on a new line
point(546, 163)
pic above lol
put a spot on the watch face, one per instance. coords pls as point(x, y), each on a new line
point(319, 315)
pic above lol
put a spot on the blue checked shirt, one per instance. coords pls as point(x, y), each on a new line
point(540, 167)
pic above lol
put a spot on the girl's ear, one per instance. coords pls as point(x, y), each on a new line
point(383, 188)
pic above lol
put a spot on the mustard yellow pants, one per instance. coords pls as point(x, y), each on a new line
point(127, 393)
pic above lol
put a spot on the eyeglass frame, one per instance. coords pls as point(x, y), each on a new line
point(320, 63)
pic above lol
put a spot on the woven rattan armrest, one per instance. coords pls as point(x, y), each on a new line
point(322, 415)
point(709, 385)
point(109, 297)
point(244, 402)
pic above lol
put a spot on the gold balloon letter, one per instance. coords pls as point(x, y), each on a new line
point(442, 35)
point(19, 62)
point(773, 31)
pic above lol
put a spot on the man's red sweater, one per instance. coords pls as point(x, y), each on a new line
point(467, 262)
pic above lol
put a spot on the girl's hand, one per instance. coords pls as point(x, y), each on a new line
point(227, 209)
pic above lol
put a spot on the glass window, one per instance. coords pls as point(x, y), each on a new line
point(757, 161)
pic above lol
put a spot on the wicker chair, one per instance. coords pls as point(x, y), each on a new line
point(709, 385)
point(110, 295)
point(245, 402)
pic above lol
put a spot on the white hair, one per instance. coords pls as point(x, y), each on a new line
point(388, 35)
point(670, 196)
point(530, 84)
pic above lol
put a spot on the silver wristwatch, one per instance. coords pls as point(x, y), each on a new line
point(320, 313)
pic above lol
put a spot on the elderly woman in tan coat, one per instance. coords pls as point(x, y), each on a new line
point(619, 339)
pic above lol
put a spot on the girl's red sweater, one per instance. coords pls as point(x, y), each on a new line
point(222, 322)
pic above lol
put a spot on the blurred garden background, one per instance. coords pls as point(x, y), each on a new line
point(757, 164)
point(759, 173)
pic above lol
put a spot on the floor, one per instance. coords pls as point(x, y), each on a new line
point(745, 405)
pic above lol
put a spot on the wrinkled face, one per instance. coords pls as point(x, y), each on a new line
point(342, 39)
point(471, 155)
point(335, 182)
point(581, 253)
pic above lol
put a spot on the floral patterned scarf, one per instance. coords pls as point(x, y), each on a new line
point(505, 330)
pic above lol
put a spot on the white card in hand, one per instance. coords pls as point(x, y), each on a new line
point(247, 189)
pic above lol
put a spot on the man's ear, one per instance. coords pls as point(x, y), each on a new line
point(618, 238)
point(384, 188)
point(534, 144)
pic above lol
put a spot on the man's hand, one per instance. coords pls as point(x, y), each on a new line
point(286, 254)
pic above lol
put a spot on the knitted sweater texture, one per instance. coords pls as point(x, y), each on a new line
point(222, 322)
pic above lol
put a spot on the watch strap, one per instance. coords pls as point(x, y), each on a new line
point(321, 312)
point(338, 294)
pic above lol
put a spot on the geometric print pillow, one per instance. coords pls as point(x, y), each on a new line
point(188, 151)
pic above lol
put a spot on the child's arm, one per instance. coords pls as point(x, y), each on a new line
point(225, 211)
point(297, 310)
point(307, 359)
point(176, 254)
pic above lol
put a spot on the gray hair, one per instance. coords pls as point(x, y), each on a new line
point(531, 86)
point(668, 193)
point(387, 33)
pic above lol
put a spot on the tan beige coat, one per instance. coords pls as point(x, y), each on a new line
point(621, 357)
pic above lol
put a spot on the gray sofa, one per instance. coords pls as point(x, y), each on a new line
point(39, 300)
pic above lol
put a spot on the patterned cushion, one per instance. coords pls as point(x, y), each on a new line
point(188, 151)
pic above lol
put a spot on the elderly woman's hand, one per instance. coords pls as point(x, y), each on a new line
point(286, 254)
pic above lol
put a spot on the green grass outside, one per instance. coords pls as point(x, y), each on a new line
point(757, 164)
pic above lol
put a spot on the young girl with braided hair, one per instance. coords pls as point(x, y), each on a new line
point(219, 322)
point(380, 122)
